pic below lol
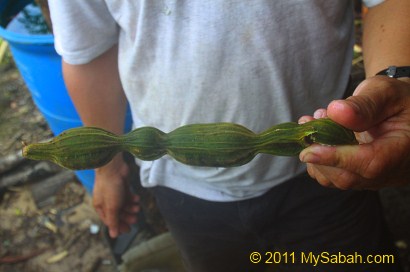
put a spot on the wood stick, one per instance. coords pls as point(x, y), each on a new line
point(10, 161)
point(28, 173)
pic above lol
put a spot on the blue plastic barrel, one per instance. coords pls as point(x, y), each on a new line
point(40, 67)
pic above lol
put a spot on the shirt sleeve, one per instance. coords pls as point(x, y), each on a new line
point(371, 3)
point(82, 29)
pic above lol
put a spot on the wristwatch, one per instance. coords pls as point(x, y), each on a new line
point(395, 72)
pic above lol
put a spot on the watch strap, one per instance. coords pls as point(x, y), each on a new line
point(395, 71)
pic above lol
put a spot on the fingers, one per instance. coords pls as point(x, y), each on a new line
point(126, 217)
point(360, 159)
point(112, 221)
point(134, 199)
point(379, 112)
point(374, 100)
point(119, 222)
point(334, 177)
point(365, 166)
point(130, 210)
point(116, 215)
point(320, 113)
point(318, 176)
point(125, 220)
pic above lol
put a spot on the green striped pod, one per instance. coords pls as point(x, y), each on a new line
point(216, 144)
point(77, 148)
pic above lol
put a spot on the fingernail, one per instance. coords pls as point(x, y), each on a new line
point(310, 158)
point(340, 105)
point(319, 113)
point(302, 121)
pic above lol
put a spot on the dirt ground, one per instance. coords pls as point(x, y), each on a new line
point(47, 222)
point(61, 232)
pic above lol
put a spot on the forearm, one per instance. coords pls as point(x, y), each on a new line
point(386, 36)
point(96, 91)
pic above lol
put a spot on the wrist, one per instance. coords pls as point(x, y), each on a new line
point(404, 79)
point(117, 166)
point(401, 73)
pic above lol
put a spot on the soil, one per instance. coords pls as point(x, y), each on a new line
point(43, 226)
point(60, 233)
point(54, 238)
point(63, 233)
point(47, 222)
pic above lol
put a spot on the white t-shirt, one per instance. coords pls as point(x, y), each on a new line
point(256, 63)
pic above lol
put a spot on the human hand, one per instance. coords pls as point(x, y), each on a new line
point(379, 111)
point(113, 199)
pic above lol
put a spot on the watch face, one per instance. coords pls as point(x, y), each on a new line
point(391, 71)
point(395, 72)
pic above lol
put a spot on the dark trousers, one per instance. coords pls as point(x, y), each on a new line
point(296, 226)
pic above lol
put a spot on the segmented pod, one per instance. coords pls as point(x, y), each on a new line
point(77, 148)
point(146, 143)
point(218, 144)
point(327, 132)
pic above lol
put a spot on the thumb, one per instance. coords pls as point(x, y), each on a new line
point(373, 101)
point(112, 223)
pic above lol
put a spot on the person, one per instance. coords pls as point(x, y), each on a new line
point(258, 64)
